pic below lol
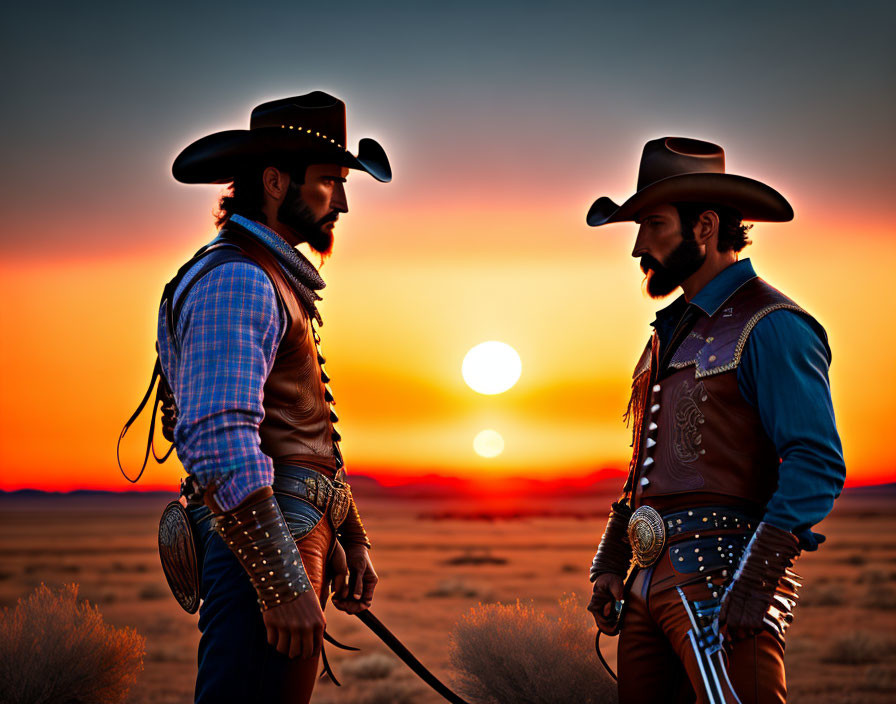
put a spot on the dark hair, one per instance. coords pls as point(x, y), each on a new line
point(732, 231)
point(245, 195)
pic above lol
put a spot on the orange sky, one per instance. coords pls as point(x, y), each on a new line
point(78, 338)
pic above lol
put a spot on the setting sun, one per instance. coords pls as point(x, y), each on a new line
point(491, 367)
point(488, 443)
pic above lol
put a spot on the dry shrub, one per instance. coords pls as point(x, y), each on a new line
point(391, 692)
point(515, 654)
point(55, 650)
point(879, 678)
point(859, 648)
point(374, 666)
point(152, 592)
point(857, 559)
point(455, 587)
point(880, 599)
point(874, 577)
point(827, 595)
point(472, 558)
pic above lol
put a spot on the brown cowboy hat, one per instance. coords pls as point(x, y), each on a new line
point(311, 127)
point(682, 170)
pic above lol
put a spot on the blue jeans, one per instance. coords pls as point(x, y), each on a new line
point(236, 663)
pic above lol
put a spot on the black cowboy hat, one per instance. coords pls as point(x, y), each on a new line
point(682, 170)
point(310, 127)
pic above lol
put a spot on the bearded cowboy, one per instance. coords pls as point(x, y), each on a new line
point(239, 345)
point(736, 452)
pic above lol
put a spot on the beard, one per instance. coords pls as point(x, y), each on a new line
point(295, 213)
point(684, 261)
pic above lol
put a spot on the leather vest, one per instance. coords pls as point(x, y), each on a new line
point(694, 430)
point(298, 425)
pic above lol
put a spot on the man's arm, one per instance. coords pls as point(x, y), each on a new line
point(229, 329)
point(784, 375)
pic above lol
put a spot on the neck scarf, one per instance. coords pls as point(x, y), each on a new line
point(301, 273)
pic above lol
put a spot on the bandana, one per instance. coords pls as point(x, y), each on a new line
point(301, 273)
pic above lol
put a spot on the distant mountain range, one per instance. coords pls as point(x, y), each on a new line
point(600, 483)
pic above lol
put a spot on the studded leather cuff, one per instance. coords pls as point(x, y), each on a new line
point(258, 536)
point(352, 532)
point(768, 555)
point(614, 554)
point(763, 589)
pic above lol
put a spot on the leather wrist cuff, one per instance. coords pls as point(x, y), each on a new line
point(352, 532)
point(258, 536)
point(614, 554)
point(768, 555)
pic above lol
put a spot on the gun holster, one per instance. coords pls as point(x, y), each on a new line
point(179, 553)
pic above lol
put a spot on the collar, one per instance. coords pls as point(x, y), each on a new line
point(711, 297)
point(256, 228)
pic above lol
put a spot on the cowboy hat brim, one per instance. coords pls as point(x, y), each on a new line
point(752, 199)
point(218, 157)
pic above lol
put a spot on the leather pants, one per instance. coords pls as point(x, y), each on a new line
point(656, 661)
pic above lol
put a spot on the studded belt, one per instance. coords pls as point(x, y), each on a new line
point(649, 531)
point(329, 496)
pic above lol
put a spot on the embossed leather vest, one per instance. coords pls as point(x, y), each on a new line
point(298, 419)
point(695, 432)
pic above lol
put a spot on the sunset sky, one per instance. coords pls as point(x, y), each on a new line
point(502, 126)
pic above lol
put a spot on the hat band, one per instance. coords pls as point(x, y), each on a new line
point(313, 134)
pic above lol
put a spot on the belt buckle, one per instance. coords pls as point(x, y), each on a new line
point(647, 535)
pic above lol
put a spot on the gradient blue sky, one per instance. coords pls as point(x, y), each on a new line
point(479, 106)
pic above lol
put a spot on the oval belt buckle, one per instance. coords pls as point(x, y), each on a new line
point(647, 535)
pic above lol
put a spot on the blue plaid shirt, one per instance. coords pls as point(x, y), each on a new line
point(228, 331)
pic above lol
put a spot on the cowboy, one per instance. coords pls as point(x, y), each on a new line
point(238, 343)
point(736, 452)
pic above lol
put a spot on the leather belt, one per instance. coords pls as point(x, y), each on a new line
point(706, 518)
point(329, 496)
point(649, 531)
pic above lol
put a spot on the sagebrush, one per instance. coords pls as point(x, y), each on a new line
point(56, 650)
point(515, 653)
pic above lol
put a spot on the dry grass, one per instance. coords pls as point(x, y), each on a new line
point(859, 648)
point(825, 595)
point(456, 587)
point(391, 692)
point(515, 654)
point(879, 679)
point(56, 650)
point(375, 666)
point(880, 598)
point(151, 592)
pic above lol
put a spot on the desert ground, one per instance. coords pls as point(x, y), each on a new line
point(439, 558)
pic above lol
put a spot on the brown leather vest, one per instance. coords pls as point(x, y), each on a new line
point(298, 421)
point(695, 432)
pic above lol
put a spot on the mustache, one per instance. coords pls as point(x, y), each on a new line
point(329, 217)
point(648, 264)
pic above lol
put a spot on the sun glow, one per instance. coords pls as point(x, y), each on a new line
point(491, 367)
point(488, 443)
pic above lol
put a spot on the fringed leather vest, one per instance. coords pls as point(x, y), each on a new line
point(694, 431)
point(298, 419)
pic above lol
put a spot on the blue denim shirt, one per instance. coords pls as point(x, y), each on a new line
point(783, 374)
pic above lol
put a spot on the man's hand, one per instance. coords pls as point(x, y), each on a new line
point(296, 628)
point(356, 594)
point(607, 591)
